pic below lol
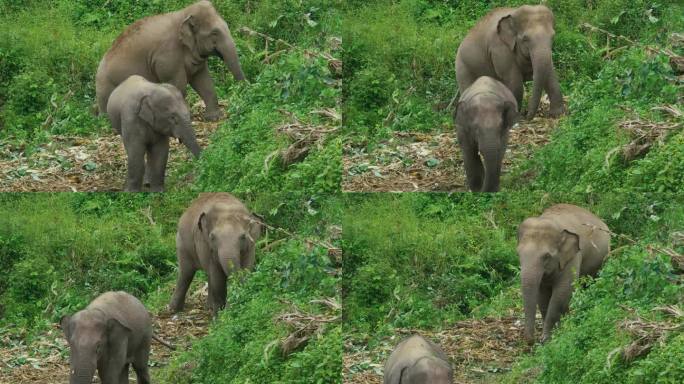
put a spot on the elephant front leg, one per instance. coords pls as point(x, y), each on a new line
point(157, 158)
point(135, 153)
point(558, 305)
point(217, 289)
point(202, 83)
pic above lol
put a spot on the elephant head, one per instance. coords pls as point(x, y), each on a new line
point(230, 235)
point(164, 110)
point(427, 370)
point(205, 33)
point(90, 334)
point(544, 249)
point(528, 32)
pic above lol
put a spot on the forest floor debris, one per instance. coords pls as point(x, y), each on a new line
point(479, 350)
point(416, 161)
point(303, 325)
point(646, 334)
point(83, 164)
point(46, 360)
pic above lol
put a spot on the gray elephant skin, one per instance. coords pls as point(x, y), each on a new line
point(513, 45)
point(485, 114)
point(418, 361)
point(171, 48)
point(113, 332)
point(216, 234)
point(556, 248)
point(146, 115)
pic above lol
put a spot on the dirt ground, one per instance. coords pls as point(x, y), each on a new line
point(46, 361)
point(84, 164)
point(479, 350)
point(414, 161)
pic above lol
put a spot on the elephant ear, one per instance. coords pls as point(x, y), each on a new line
point(145, 111)
point(506, 31)
point(568, 247)
point(256, 227)
point(65, 324)
point(510, 114)
point(202, 223)
point(187, 32)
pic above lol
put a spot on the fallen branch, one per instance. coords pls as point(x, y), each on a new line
point(304, 325)
point(661, 51)
point(646, 333)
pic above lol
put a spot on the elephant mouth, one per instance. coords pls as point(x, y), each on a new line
point(217, 53)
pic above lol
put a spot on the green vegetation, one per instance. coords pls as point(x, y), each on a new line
point(59, 251)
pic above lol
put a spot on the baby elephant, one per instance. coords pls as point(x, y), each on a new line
point(216, 234)
point(112, 332)
point(565, 242)
point(418, 361)
point(485, 113)
point(146, 115)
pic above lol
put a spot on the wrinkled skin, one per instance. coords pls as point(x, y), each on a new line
point(216, 234)
point(556, 248)
point(171, 48)
point(485, 113)
point(513, 45)
point(109, 335)
point(418, 361)
point(146, 115)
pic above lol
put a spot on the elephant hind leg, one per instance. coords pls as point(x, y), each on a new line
point(186, 273)
point(140, 363)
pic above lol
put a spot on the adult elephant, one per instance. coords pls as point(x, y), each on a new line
point(556, 248)
point(513, 45)
point(171, 48)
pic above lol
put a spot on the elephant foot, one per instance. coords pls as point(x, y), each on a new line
point(214, 115)
point(556, 112)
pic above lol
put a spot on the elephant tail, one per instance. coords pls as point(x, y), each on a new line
point(95, 110)
point(164, 343)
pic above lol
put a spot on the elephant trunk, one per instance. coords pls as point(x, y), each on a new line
point(531, 279)
point(187, 137)
point(228, 53)
point(542, 70)
point(492, 154)
point(83, 374)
